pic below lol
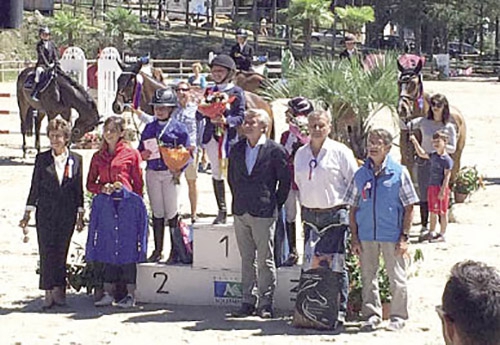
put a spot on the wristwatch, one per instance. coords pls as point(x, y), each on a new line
point(404, 236)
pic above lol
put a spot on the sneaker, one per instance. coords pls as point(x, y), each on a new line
point(245, 310)
point(341, 318)
point(395, 324)
point(437, 238)
point(105, 301)
point(371, 324)
point(127, 302)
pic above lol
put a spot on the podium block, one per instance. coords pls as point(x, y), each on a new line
point(215, 247)
point(186, 285)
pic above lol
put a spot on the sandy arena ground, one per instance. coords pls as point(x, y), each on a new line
point(474, 236)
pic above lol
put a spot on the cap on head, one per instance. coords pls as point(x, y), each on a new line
point(350, 38)
point(164, 97)
point(225, 61)
point(300, 105)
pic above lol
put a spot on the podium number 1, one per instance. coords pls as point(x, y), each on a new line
point(225, 239)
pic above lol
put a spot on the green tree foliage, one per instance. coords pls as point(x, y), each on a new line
point(70, 29)
point(119, 22)
point(309, 14)
point(353, 18)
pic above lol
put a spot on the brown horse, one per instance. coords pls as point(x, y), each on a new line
point(249, 81)
point(127, 84)
point(413, 102)
point(59, 96)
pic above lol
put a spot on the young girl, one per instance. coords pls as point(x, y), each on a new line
point(438, 190)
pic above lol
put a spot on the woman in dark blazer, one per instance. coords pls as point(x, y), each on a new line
point(57, 195)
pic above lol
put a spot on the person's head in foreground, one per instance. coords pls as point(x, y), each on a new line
point(470, 310)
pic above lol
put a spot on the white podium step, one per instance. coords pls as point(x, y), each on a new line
point(215, 247)
point(186, 285)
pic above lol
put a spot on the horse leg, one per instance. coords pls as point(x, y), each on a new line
point(38, 123)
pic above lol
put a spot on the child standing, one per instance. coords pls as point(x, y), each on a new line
point(438, 192)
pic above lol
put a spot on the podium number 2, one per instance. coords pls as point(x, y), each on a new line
point(162, 285)
point(225, 239)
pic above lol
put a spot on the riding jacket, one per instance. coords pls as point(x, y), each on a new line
point(47, 54)
point(245, 57)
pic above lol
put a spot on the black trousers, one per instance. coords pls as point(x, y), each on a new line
point(53, 246)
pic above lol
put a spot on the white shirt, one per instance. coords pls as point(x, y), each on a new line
point(60, 164)
point(323, 181)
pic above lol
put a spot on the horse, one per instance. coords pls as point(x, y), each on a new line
point(59, 96)
point(127, 86)
point(413, 103)
point(249, 81)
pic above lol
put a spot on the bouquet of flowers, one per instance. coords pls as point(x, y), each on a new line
point(214, 104)
point(175, 158)
point(298, 127)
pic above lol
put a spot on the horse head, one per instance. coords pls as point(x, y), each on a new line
point(410, 90)
point(126, 86)
point(86, 122)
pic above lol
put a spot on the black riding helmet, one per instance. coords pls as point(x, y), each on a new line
point(225, 61)
point(241, 33)
point(44, 30)
point(300, 105)
point(164, 97)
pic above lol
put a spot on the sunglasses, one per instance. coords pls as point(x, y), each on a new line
point(183, 89)
point(437, 104)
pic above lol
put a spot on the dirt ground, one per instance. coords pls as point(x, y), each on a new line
point(474, 236)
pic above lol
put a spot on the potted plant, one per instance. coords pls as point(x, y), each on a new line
point(468, 180)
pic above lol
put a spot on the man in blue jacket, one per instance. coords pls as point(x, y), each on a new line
point(259, 179)
point(381, 196)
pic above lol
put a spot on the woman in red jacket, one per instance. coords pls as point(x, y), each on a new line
point(115, 161)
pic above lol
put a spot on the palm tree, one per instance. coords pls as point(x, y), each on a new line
point(69, 28)
point(309, 14)
point(121, 21)
point(353, 18)
point(353, 95)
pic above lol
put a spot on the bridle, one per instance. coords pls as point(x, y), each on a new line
point(410, 98)
point(131, 82)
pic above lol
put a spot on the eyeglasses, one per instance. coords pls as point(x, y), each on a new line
point(437, 104)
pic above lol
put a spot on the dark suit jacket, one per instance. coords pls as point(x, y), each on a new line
point(244, 61)
point(345, 55)
point(48, 55)
point(266, 188)
point(56, 205)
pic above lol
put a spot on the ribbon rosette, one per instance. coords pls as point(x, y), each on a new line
point(214, 104)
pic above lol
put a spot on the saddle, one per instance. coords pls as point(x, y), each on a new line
point(45, 79)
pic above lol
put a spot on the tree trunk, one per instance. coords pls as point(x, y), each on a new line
point(497, 38)
point(187, 12)
point(307, 31)
point(236, 10)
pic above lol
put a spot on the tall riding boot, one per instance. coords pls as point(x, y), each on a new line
point(159, 234)
point(36, 91)
point(173, 257)
point(220, 196)
point(291, 234)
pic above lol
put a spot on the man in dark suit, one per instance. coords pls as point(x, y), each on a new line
point(350, 50)
point(259, 179)
point(242, 52)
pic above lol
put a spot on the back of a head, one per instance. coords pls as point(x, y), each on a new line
point(471, 300)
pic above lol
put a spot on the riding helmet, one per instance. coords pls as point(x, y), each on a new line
point(44, 30)
point(241, 33)
point(164, 97)
point(300, 105)
point(225, 61)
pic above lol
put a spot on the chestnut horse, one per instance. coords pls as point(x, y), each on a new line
point(127, 84)
point(412, 103)
point(249, 81)
point(59, 96)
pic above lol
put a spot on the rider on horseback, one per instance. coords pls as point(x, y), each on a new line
point(47, 58)
point(241, 52)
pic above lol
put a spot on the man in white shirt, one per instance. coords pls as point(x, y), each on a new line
point(323, 170)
